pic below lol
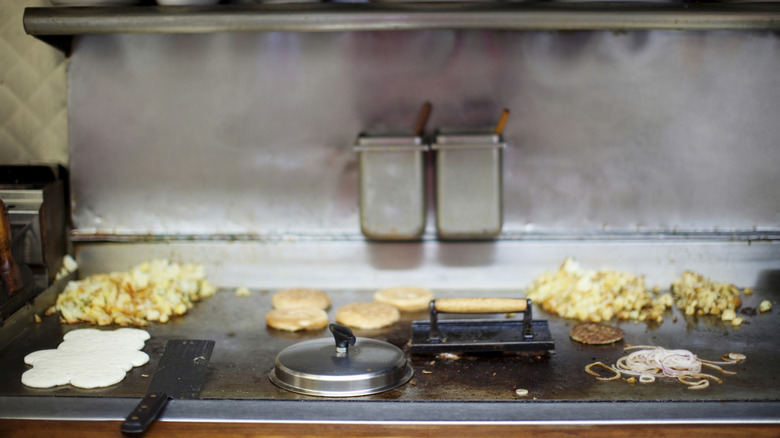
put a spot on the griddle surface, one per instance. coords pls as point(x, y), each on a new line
point(245, 351)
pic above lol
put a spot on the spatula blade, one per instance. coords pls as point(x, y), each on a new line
point(179, 374)
point(182, 367)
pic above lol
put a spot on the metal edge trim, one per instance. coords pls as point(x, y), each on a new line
point(80, 237)
point(402, 412)
point(402, 16)
point(389, 148)
point(437, 147)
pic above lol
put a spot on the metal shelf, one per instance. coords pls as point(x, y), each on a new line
point(58, 25)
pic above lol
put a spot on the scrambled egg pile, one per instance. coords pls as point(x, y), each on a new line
point(588, 295)
point(698, 295)
point(152, 291)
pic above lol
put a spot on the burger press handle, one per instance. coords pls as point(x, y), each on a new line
point(481, 305)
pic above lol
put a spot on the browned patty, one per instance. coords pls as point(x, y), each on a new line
point(596, 334)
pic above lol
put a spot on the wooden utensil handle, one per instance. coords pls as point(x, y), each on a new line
point(9, 270)
point(502, 122)
point(480, 305)
point(422, 119)
point(147, 411)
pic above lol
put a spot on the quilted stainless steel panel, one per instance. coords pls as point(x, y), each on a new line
point(33, 98)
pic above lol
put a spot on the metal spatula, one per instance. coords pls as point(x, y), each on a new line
point(179, 375)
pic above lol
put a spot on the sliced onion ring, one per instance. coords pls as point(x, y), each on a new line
point(733, 357)
point(711, 365)
point(701, 385)
point(649, 362)
point(588, 369)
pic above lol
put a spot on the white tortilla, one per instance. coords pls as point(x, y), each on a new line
point(87, 358)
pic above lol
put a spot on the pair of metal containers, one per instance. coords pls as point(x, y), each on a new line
point(468, 185)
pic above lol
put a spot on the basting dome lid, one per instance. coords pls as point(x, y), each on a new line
point(348, 367)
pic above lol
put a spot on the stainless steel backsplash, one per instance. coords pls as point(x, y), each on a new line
point(252, 133)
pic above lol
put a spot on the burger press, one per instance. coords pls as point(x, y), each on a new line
point(480, 335)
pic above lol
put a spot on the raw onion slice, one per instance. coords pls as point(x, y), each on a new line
point(651, 362)
point(589, 370)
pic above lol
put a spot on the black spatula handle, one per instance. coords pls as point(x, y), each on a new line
point(146, 412)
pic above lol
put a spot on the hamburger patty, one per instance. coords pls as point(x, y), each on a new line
point(596, 334)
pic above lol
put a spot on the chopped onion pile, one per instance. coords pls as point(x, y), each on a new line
point(595, 296)
point(155, 290)
point(649, 363)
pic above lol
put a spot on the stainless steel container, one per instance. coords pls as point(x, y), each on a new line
point(468, 185)
point(392, 187)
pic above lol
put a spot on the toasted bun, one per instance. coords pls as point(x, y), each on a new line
point(368, 315)
point(405, 298)
point(300, 297)
point(292, 320)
